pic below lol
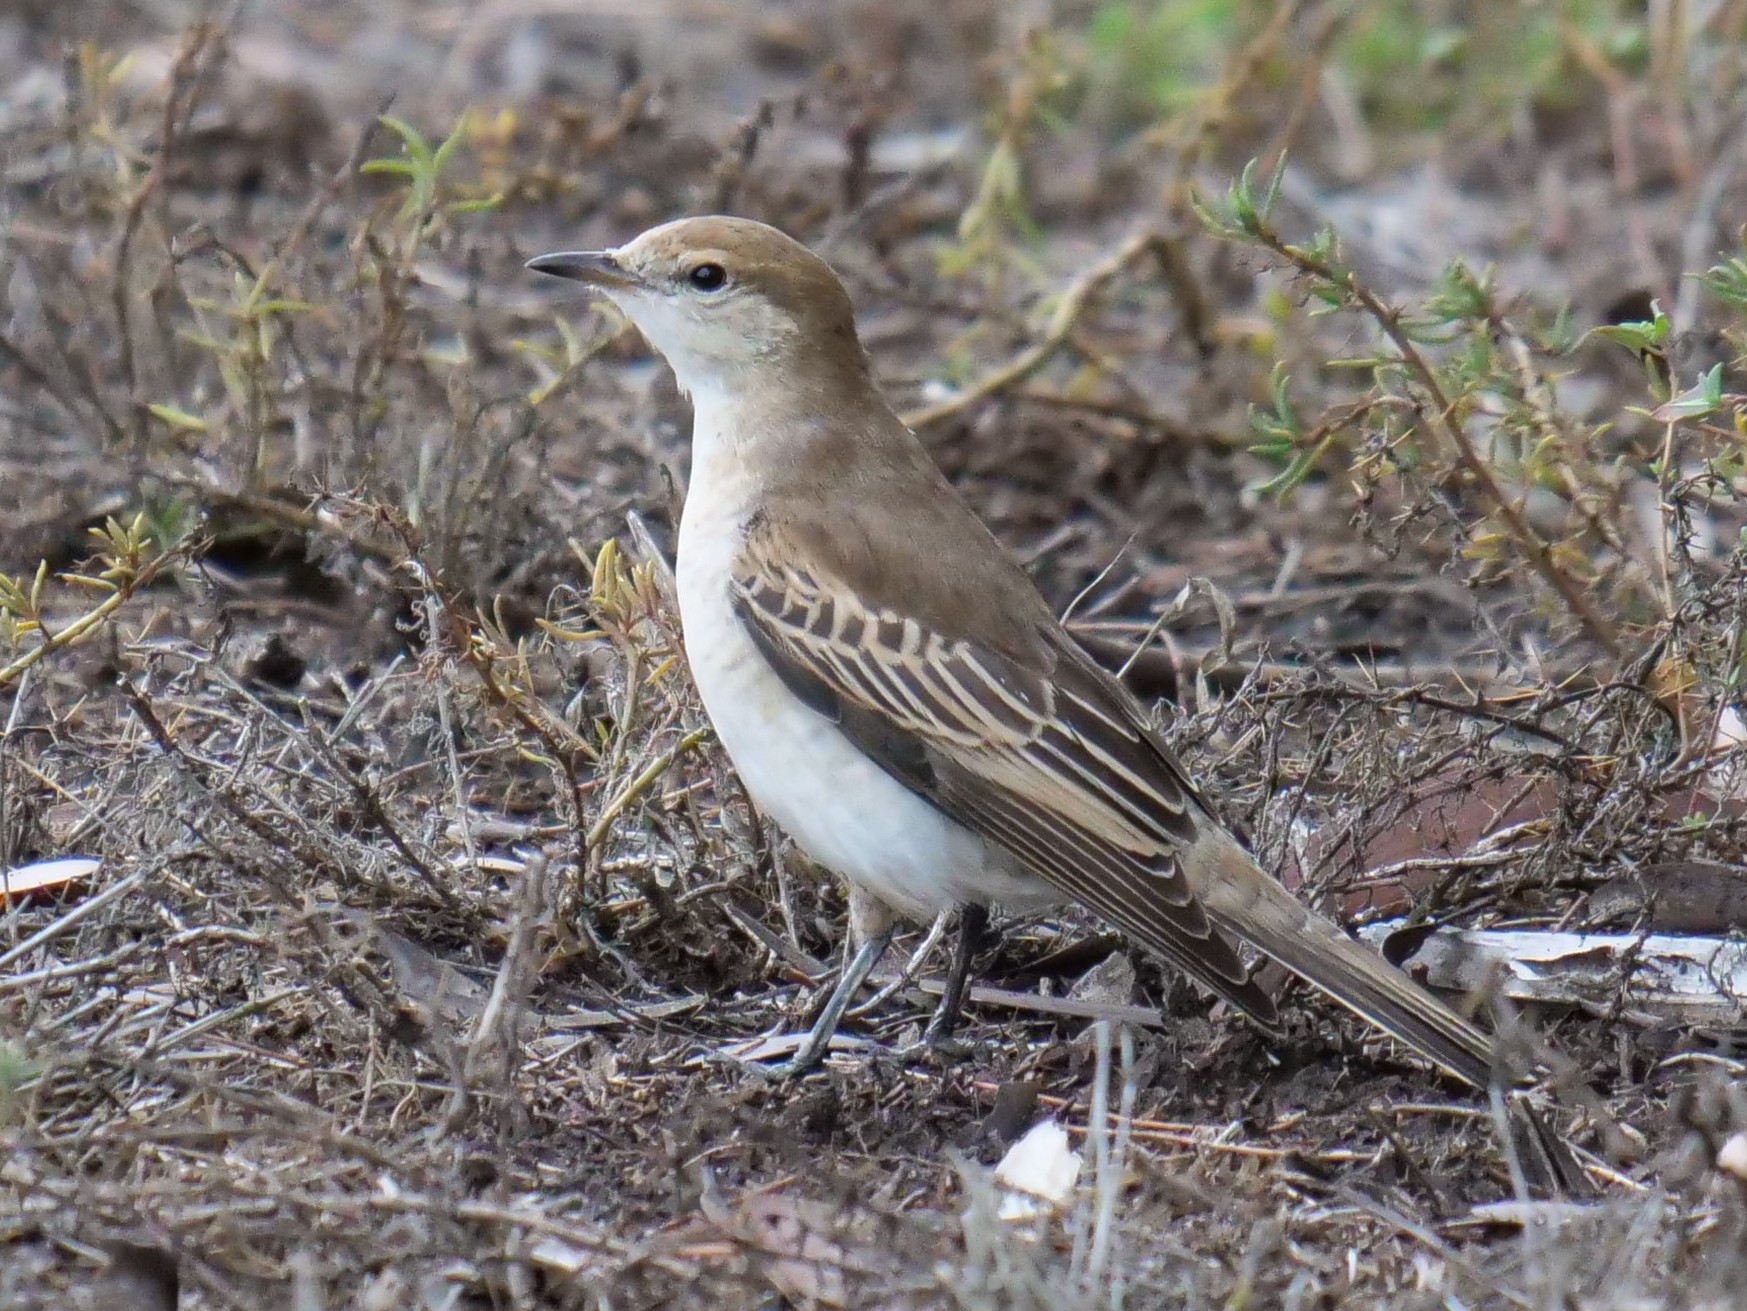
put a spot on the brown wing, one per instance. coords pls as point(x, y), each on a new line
point(1036, 751)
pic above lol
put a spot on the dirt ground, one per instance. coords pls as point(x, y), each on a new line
point(421, 914)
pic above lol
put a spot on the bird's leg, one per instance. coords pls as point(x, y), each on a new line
point(907, 975)
point(855, 972)
point(871, 926)
point(973, 920)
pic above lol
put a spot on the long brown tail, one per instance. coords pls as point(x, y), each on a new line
point(1250, 904)
point(1247, 902)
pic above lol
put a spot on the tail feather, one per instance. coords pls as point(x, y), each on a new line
point(1369, 986)
point(1247, 902)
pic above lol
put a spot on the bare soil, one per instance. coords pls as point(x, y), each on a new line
point(428, 910)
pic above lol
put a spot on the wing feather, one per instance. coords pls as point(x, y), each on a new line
point(1021, 739)
point(1041, 758)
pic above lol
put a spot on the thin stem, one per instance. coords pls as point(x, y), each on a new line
point(1529, 543)
point(1056, 335)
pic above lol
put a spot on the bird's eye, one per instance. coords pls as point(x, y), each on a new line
point(707, 277)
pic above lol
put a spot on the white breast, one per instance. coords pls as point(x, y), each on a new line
point(841, 808)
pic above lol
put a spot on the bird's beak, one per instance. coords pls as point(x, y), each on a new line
point(597, 268)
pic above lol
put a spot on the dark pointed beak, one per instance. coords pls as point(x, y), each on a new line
point(597, 268)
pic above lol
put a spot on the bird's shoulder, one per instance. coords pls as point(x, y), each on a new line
point(897, 545)
point(898, 611)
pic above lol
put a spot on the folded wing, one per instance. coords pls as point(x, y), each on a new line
point(1033, 750)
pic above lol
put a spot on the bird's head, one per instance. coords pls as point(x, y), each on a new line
point(723, 298)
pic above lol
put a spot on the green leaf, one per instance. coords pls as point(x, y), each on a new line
point(1643, 336)
point(178, 418)
point(1302, 464)
point(479, 206)
point(412, 142)
point(448, 148)
point(268, 307)
point(1728, 281)
point(1460, 294)
point(1704, 397)
point(398, 167)
point(12, 597)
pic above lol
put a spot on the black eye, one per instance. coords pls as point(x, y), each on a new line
point(708, 277)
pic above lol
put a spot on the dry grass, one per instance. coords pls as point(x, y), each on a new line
point(427, 904)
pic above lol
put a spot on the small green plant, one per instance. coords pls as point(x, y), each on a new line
point(423, 166)
point(1458, 400)
point(126, 561)
point(560, 365)
point(1714, 417)
point(1409, 66)
point(1157, 57)
point(1727, 282)
point(241, 334)
point(16, 1071)
point(998, 219)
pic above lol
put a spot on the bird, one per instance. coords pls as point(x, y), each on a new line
point(894, 690)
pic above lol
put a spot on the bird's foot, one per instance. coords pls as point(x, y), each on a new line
point(784, 1072)
point(938, 1045)
point(806, 1053)
point(944, 1050)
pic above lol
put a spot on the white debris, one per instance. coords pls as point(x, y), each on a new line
point(1690, 978)
point(1038, 1172)
point(21, 879)
point(1732, 1157)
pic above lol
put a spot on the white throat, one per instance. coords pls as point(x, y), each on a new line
point(720, 427)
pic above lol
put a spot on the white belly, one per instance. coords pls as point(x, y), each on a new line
point(841, 808)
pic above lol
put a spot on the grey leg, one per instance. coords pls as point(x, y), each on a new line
point(972, 921)
point(855, 972)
